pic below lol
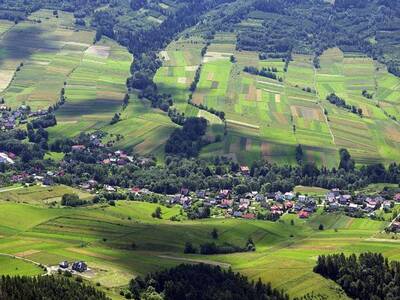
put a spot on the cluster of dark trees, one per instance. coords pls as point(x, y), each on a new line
point(48, 120)
point(211, 248)
point(72, 200)
point(339, 102)
point(46, 287)
point(366, 94)
point(369, 276)
point(188, 140)
point(264, 72)
point(202, 282)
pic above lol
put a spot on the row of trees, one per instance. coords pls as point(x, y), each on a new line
point(339, 102)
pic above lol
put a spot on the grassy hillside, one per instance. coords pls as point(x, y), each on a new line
point(103, 236)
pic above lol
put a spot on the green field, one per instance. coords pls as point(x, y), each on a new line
point(103, 235)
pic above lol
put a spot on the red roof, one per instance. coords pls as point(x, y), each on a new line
point(249, 216)
point(303, 214)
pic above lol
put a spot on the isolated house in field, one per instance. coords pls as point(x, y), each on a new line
point(79, 266)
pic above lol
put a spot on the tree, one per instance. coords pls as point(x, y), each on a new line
point(157, 213)
point(321, 227)
point(189, 248)
point(214, 233)
point(346, 162)
point(299, 154)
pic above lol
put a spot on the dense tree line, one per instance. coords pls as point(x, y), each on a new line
point(264, 72)
point(46, 288)
point(369, 276)
point(339, 102)
point(202, 282)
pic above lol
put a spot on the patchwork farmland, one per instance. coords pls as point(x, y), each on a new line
point(268, 118)
point(41, 56)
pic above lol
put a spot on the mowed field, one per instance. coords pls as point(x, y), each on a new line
point(267, 118)
point(103, 236)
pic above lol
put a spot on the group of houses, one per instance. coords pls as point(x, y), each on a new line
point(359, 204)
point(78, 266)
point(247, 206)
point(10, 119)
point(7, 158)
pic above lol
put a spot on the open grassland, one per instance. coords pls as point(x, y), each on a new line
point(268, 118)
point(103, 236)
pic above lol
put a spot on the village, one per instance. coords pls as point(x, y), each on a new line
point(11, 119)
point(205, 203)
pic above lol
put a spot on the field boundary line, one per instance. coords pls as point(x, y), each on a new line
point(194, 260)
point(321, 106)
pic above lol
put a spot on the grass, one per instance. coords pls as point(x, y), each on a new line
point(103, 236)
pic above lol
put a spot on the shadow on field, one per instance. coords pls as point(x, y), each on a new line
point(21, 42)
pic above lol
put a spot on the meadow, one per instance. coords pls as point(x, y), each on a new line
point(125, 241)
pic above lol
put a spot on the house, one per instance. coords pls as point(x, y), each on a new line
point(249, 216)
point(4, 158)
point(64, 264)
point(387, 205)
point(333, 206)
point(237, 214)
point(397, 197)
point(184, 191)
point(259, 197)
point(201, 194)
point(224, 193)
point(226, 203)
point(303, 214)
point(79, 266)
point(395, 226)
point(78, 147)
point(353, 207)
point(245, 170)
point(289, 195)
point(109, 188)
point(302, 198)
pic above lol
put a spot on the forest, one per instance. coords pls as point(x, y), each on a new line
point(46, 288)
point(202, 282)
point(368, 276)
